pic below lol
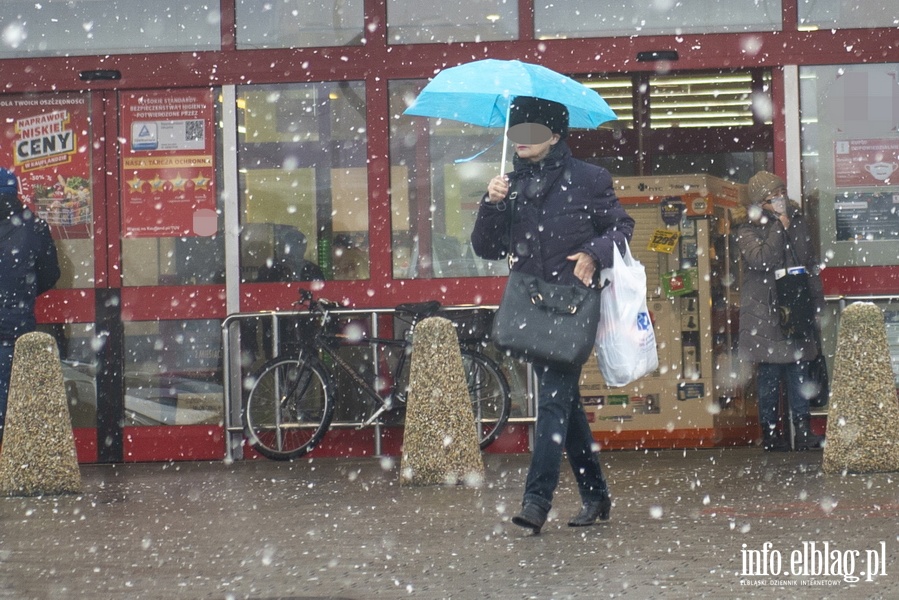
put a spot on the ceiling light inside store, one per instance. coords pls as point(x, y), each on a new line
point(677, 124)
point(701, 100)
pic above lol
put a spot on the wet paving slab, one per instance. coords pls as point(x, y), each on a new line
point(735, 523)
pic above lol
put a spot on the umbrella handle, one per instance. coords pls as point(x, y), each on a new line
point(502, 165)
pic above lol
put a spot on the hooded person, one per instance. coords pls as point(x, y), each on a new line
point(774, 235)
point(565, 224)
point(9, 195)
point(28, 268)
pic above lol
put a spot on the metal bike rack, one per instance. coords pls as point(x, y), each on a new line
point(233, 374)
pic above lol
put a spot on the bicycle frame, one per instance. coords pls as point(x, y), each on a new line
point(329, 343)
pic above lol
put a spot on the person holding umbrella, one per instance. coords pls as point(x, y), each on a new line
point(566, 222)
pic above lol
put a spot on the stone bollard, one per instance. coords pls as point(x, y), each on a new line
point(440, 443)
point(38, 454)
point(863, 418)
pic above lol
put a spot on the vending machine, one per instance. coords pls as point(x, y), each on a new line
point(694, 399)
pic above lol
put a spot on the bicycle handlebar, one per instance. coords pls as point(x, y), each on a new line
point(320, 305)
point(417, 309)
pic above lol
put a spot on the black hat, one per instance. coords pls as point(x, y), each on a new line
point(527, 109)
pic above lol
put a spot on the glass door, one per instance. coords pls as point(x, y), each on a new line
point(171, 275)
point(50, 142)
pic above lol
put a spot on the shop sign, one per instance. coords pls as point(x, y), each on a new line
point(867, 216)
point(42, 136)
point(690, 391)
point(168, 165)
point(663, 240)
point(680, 282)
point(870, 163)
point(672, 209)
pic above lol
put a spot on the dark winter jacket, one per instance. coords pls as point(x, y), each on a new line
point(765, 247)
point(561, 206)
point(28, 268)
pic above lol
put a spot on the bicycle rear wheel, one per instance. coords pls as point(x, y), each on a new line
point(491, 399)
point(289, 408)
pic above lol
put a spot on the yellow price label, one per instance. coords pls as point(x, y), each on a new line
point(664, 240)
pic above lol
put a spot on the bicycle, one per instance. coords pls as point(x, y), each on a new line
point(292, 398)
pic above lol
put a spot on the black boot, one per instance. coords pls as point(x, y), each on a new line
point(590, 511)
point(804, 438)
point(531, 517)
point(773, 440)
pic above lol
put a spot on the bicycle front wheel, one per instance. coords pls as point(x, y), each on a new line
point(491, 399)
point(289, 408)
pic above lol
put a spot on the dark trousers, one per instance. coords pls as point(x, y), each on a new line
point(6, 351)
point(562, 425)
point(769, 376)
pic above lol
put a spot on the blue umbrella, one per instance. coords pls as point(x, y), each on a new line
point(481, 92)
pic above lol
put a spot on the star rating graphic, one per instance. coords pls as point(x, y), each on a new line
point(178, 183)
point(201, 183)
point(135, 184)
point(156, 183)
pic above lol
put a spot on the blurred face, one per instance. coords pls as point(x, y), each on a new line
point(529, 133)
point(536, 152)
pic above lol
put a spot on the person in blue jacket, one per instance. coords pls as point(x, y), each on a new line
point(566, 223)
point(28, 268)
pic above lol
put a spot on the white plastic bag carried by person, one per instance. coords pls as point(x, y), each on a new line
point(625, 339)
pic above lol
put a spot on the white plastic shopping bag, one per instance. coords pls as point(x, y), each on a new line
point(625, 339)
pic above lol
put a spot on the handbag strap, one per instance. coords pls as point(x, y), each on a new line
point(792, 247)
point(509, 256)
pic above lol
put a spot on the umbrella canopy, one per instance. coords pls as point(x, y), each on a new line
point(480, 93)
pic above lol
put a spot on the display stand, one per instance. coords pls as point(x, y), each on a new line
point(694, 399)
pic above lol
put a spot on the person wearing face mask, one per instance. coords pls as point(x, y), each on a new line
point(774, 235)
point(565, 222)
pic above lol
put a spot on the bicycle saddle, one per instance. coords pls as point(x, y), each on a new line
point(422, 310)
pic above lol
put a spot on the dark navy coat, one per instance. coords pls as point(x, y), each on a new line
point(561, 206)
point(28, 268)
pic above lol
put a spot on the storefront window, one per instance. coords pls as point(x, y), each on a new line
point(299, 23)
point(173, 373)
point(850, 160)
point(77, 345)
point(415, 22)
point(842, 14)
point(713, 123)
point(606, 18)
point(434, 198)
point(84, 27)
point(303, 182)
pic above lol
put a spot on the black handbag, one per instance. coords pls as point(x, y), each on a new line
point(544, 322)
point(795, 305)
